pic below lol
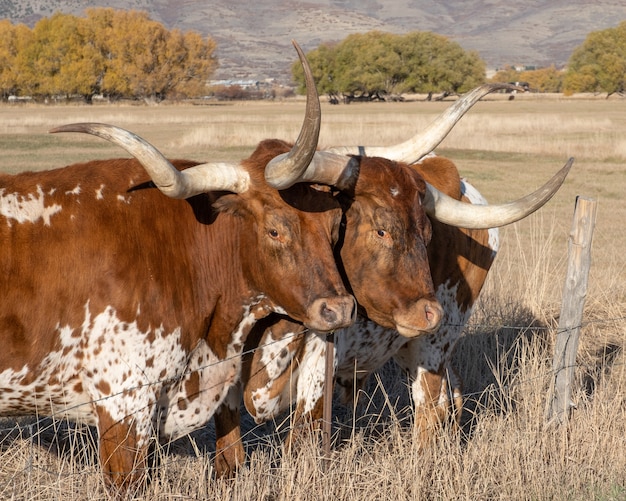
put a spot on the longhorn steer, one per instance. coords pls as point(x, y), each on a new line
point(385, 224)
point(459, 261)
point(129, 309)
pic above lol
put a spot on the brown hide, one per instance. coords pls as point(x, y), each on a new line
point(456, 255)
point(178, 258)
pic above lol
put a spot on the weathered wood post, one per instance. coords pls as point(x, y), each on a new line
point(559, 404)
point(327, 418)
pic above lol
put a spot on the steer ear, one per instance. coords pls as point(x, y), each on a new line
point(442, 173)
point(230, 204)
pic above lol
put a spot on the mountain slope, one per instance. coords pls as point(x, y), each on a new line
point(254, 37)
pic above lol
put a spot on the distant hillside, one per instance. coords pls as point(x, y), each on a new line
point(254, 37)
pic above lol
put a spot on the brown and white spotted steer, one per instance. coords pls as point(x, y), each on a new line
point(400, 251)
point(288, 366)
point(128, 309)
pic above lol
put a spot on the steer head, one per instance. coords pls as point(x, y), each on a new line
point(287, 243)
point(285, 238)
point(383, 253)
point(387, 228)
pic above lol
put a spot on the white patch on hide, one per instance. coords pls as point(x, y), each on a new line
point(104, 362)
point(476, 198)
point(276, 358)
point(312, 371)
point(26, 208)
point(182, 413)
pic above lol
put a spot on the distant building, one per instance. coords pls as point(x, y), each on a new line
point(244, 84)
point(523, 85)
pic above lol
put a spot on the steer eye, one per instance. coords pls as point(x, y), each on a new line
point(381, 233)
point(273, 233)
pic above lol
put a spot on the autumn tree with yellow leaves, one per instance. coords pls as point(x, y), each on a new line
point(599, 63)
point(547, 79)
point(117, 54)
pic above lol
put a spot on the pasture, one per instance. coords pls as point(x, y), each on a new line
point(505, 450)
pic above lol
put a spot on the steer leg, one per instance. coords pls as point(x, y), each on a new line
point(304, 423)
point(426, 361)
point(229, 451)
point(454, 389)
point(123, 451)
point(310, 386)
point(430, 411)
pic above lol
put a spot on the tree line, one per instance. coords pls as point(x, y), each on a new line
point(598, 65)
point(125, 54)
point(113, 53)
point(378, 65)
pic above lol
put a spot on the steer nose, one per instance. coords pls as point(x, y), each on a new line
point(424, 317)
point(433, 314)
point(327, 314)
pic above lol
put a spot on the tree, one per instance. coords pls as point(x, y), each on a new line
point(367, 64)
point(13, 39)
point(322, 63)
point(436, 64)
point(59, 60)
point(376, 64)
point(544, 79)
point(130, 43)
point(196, 63)
point(115, 53)
point(507, 74)
point(144, 60)
point(540, 80)
point(599, 64)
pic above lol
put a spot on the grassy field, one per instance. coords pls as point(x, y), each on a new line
point(505, 450)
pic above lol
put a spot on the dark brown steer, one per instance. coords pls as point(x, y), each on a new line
point(404, 256)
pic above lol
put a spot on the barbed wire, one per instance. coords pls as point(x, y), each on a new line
point(467, 327)
point(259, 435)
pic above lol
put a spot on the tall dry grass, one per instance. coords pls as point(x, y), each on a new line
point(505, 450)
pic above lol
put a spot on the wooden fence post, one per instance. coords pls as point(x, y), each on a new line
point(559, 402)
point(327, 419)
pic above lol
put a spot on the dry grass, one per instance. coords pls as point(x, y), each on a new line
point(504, 451)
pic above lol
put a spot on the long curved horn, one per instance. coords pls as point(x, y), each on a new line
point(331, 169)
point(425, 141)
point(340, 171)
point(450, 211)
point(167, 178)
point(285, 170)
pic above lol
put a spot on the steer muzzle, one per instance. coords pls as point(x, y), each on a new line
point(328, 314)
point(424, 317)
